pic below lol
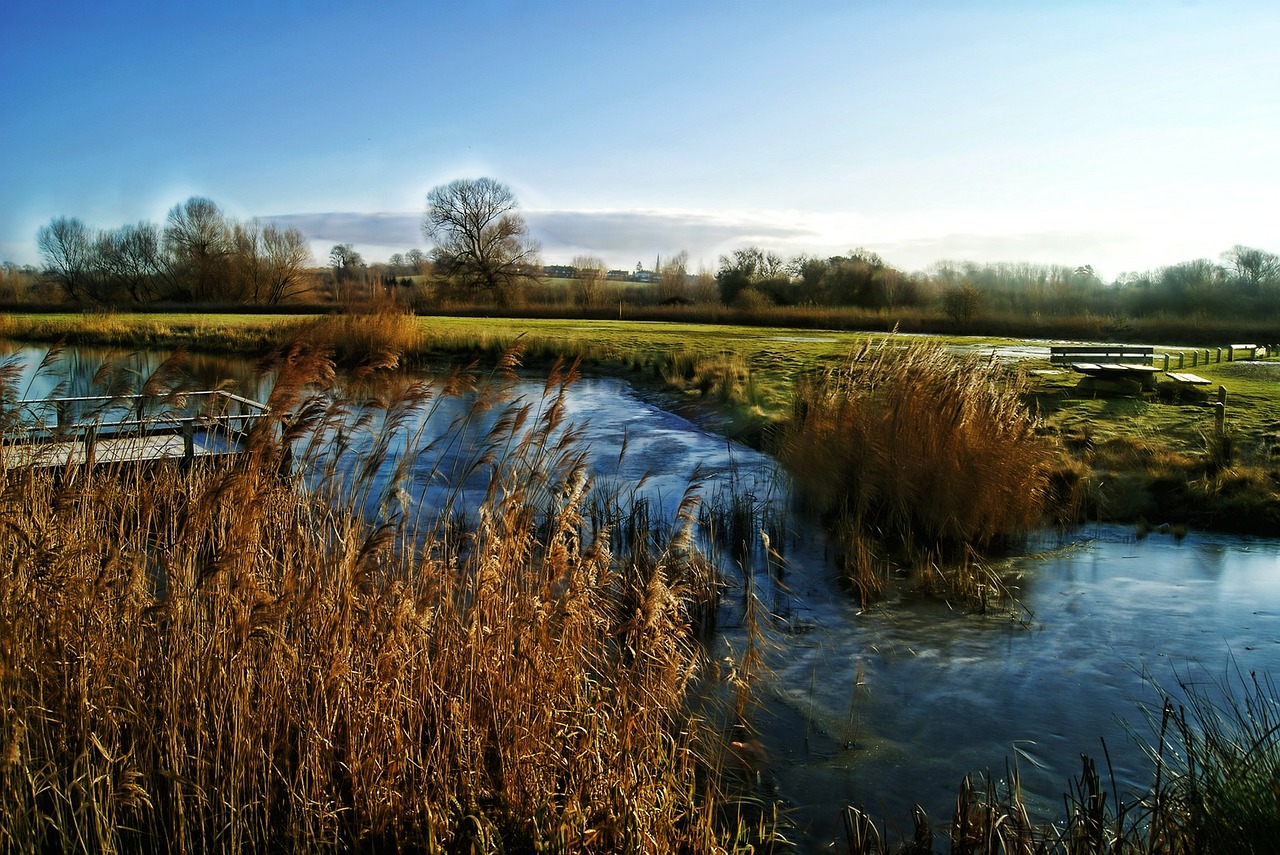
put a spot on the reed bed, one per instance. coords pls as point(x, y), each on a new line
point(917, 457)
point(372, 339)
point(232, 659)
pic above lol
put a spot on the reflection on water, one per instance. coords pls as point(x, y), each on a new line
point(892, 705)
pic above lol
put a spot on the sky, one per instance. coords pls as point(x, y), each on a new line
point(1124, 135)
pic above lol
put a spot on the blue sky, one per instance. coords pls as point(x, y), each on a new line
point(1125, 135)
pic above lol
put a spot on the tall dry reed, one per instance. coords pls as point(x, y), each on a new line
point(917, 455)
point(230, 659)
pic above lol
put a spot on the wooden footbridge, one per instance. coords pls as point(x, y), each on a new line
point(100, 430)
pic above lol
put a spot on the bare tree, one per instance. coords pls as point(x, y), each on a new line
point(268, 263)
point(68, 249)
point(1256, 269)
point(286, 257)
point(588, 281)
point(481, 242)
point(198, 241)
point(130, 260)
point(673, 279)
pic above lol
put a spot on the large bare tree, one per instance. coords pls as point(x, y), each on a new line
point(68, 247)
point(199, 243)
point(270, 263)
point(481, 243)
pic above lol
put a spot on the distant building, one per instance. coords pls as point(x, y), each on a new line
point(618, 275)
point(559, 271)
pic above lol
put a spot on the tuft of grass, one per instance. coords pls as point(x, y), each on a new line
point(915, 455)
point(367, 340)
point(1222, 759)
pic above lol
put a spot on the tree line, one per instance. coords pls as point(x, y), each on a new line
point(482, 254)
point(198, 255)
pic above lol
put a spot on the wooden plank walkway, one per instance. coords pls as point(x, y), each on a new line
point(133, 439)
point(122, 449)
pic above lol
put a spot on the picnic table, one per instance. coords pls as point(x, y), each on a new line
point(1144, 375)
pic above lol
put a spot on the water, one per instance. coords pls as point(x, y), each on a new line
point(892, 705)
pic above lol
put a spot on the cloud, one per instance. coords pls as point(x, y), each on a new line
point(908, 241)
point(398, 230)
point(622, 236)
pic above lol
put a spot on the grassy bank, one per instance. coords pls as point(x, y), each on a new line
point(1153, 460)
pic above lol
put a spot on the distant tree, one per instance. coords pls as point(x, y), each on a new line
point(809, 273)
point(851, 281)
point(962, 302)
point(67, 246)
point(131, 261)
point(1255, 269)
point(17, 282)
point(344, 258)
point(588, 282)
point(750, 267)
point(1192, 285)
point(349, 270)
point(481, 242)
point(270, 263)
point(198, 242)
point(673, 279)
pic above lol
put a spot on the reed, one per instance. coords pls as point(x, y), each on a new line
point(371, 339)
point(916, 456)
point(226, 659)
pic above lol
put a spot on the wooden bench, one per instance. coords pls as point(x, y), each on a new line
point(1189, 379)
point(1098, 354)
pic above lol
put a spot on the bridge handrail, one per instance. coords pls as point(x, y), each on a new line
point(169, 420)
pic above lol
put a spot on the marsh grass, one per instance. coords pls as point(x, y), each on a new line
point(917, 457)
point(229, 659)
point(372, 339)
point(1215, 762)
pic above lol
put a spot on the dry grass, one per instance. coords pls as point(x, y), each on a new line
point(225, 659)
point(369, 339)
point(918, 457)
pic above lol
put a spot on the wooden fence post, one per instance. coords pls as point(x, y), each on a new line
point(1166, 363)
point(188, 444)
point(1181, 356)
point(1219, 416)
